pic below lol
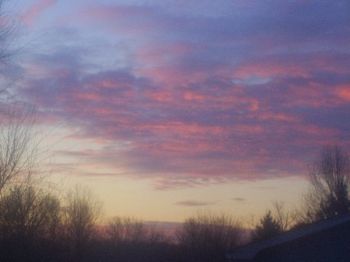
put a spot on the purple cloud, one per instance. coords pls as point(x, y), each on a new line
point(247, 92)
point(239, 199)
point(193, 203)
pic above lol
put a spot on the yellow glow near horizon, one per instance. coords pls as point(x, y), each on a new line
point(123, 195)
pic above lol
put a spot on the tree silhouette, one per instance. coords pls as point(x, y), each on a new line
point(29, 212)
point(81, 214)
point(329, 179)
point(29, 223)
point(127, 230)
point(268, 227)
point(208, 237)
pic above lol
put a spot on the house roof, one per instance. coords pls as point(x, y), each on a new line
point(249, 251)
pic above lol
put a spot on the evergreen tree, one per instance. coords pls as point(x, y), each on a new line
point(267, 227)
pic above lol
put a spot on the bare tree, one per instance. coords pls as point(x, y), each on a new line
point(208, 237)
point(18, 148)
point(16, 136)
point(123, 230)
point(29, 223)
point(329, 178)
point(29, 212)
point(132, 231)
point(81, 215)
point(285, 218)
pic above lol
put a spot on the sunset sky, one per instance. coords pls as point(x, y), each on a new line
point(167, 107)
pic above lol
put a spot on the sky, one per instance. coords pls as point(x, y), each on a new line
point(165, 108)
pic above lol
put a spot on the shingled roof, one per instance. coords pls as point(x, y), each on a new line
point(249, 252)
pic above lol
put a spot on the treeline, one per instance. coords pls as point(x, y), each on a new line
point(40, 224)
point(37, 225)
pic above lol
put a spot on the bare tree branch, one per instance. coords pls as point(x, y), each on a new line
point(207, 237)
point(329, 180)
point(18, 148)
point(81, 215)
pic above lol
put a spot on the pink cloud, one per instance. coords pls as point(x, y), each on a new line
point(111, 108)
point(201, 99)
point(264, 69)
point(343, 92)
point(30, 16)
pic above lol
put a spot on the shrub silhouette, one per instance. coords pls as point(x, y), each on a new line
point(208, 237)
